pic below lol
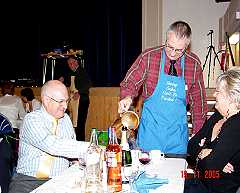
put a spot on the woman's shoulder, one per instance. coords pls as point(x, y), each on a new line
point(233, 121)
point(216, 116)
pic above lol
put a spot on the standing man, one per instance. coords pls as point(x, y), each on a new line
point(171, 78)
point(47, 141)
point(80, 85)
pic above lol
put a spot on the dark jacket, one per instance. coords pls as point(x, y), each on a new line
point(225, 148)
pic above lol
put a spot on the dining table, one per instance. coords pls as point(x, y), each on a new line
point(73, 179)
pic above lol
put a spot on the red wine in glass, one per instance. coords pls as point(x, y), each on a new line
point(144, 157)
point(144, 161)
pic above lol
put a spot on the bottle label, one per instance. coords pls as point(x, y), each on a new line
point(113, 159)
point(126, 173)
point(92, 158)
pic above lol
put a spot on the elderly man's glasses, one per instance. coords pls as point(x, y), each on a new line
point(176, 50)
point(60, 102)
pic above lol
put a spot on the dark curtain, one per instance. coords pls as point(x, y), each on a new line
point(109, 32)
point(20, 51)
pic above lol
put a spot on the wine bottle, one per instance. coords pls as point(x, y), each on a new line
point(93, 170)
point(114, 163)
point(126, 157)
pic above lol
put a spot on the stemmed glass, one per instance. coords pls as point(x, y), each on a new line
point(144, 157)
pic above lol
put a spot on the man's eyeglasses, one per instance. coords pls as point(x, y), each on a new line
point(60, 102)
point(171, 49)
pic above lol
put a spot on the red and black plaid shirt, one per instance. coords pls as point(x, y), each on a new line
point(144, 73)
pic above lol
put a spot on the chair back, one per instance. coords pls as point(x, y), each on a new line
point(5, 125)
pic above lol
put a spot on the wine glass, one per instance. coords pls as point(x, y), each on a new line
point(144, 157)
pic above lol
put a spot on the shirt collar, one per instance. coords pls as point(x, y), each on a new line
point(49, 117)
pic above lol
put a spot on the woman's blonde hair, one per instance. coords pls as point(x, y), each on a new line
point(231, 83)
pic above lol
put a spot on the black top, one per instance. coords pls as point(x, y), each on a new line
point(225, 148)
point(82, 81)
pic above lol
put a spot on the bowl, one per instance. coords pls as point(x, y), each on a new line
point(130, 119)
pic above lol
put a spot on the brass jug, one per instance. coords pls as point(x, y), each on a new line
point(129, 119)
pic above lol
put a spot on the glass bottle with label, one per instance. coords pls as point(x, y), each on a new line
point(114, 163)
point(93, 171)
point(126, 157)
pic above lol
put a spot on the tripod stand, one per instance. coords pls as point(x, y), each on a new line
point(209, 55)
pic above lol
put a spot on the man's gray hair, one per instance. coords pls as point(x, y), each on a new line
point(181, 29)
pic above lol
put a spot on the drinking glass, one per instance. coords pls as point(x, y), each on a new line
point(134, 175)
point(144, 158)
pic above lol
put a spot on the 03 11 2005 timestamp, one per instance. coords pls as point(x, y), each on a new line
point(206, 174)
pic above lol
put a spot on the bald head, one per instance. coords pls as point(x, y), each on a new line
point(53, 86)
point(54, 95)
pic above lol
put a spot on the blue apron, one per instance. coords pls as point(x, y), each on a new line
point(164, 117)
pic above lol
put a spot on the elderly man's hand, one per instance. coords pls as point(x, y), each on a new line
point(124, 104)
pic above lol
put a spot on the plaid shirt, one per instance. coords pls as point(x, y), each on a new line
point(144, 73)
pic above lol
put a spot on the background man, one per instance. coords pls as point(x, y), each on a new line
point(80, 83)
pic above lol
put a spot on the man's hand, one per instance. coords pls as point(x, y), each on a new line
point(124, 104)
point(228, 168)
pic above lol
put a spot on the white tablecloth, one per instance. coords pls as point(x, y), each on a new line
point(170, 168)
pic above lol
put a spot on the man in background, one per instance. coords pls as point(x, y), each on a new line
point(11, 105)
point(80, 84)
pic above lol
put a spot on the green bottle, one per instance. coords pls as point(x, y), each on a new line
point(126, 157)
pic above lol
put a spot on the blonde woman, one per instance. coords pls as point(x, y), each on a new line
point(216, 146)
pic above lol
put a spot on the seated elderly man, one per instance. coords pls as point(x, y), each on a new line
point(47, 141)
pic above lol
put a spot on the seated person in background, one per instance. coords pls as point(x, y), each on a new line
point(5, 164)
point(29, 100)
point(11, 105)
point(47, 136)
point(12, 108)
point(216, 146)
